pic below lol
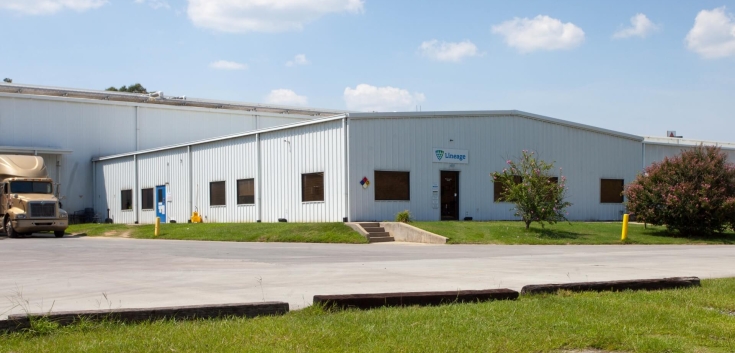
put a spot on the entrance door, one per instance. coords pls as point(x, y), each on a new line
point(161, 202)
point(450, 195)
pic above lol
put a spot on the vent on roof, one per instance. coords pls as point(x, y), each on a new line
point(671, 133)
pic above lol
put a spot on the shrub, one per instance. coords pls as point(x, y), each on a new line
point(692, 193)
point(538, 195)
point(403, 216)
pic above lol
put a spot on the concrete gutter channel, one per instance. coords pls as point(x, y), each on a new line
point(349, 301)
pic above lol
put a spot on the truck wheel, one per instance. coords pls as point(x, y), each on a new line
point(59, 233)
point(9, 229)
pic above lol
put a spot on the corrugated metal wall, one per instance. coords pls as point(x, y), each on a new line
point(405, 144)
point(169, 168)
point(657, 152)
point(228, 161)
point(93, 128)
point(113, 176)
point(285, 155)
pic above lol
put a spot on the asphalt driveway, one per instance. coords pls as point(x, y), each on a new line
point(43, 273)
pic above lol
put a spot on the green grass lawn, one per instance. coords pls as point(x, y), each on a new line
point(561, 233)
point(684, 320)
point(261, 232)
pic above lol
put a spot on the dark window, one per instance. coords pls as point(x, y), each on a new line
point(126, 199)
point(217, 193)
point(611, 190)
point(392, 186)
point(246, 192)
point(499, 188)
point(312, 187)
point(146, 198)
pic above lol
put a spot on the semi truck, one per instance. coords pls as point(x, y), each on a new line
point(27, 201)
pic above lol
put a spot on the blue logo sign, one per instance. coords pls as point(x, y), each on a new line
point(439, 154)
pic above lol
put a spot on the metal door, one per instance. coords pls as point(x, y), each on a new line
point(161, 202)
point(449, 195)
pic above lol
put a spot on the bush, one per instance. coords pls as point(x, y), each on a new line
point(692, 193)
point(538, 195)
point(403, 216)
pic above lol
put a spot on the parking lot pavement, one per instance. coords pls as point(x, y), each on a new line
point(82, 273)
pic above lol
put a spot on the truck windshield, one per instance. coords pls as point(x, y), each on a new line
point(30, 187)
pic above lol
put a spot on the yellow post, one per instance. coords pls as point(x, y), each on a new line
point(624, 237)
point(157, 230)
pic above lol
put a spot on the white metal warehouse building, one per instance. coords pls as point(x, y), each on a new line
point(316, 171)
point(69, 127)
point(133, 154)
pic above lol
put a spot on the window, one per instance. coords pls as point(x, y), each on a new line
point(217, 193)
point(30, 187)
point(126, 199)
point(392, 186)
point(499, 188)
point(611, 191)
point(312, 187)
point(246, 192)
point(146, 199)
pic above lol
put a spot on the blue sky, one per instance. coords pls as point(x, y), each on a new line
point(672, 68)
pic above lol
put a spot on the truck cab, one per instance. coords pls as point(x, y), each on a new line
point(27, 200)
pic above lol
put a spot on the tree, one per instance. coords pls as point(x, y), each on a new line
point(692, 193)
point(134, 88)
point(539, 196)
point(8, 80)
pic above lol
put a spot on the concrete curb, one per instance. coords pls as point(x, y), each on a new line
point(370, 301)
point(408, 233)
point(22, 321)
point(615, 286)
point(358, 228)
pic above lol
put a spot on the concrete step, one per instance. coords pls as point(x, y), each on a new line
point(378, 234)
point(381, 239)
point(374, 229)
point(370, 224)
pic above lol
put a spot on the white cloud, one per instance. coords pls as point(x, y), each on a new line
point(641, 26)
point(448, 51)
point(155, 4)
point(228, 65)
point(713, 34)
point(365, 97)
point(285, 97)
point(47, 7)
point(264, 15)
point(539, 33)
point(298, 60)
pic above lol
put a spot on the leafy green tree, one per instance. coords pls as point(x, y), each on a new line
point(539, 196)
point(8, 80)
point(692, 193)
point(134, 88)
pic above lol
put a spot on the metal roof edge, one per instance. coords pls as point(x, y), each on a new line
point(495, 113)
point(662, 141)
point(159, 106)
point(189, 102)
point(41, 150)
point(222, 138)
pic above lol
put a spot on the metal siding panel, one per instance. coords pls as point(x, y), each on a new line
point(169, 168)
point(228, 161)
point(113, 177)
point(405, 144)
point(285, 155)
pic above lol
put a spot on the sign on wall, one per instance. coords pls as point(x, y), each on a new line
point(444, 155)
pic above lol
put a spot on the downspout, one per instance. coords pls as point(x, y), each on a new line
point(191, 183)
point(135, 199)
point(94, 186)
point(258, 177)
point(346, 151)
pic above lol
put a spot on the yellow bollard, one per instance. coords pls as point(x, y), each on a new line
point(624, 237)
point(157, 230)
